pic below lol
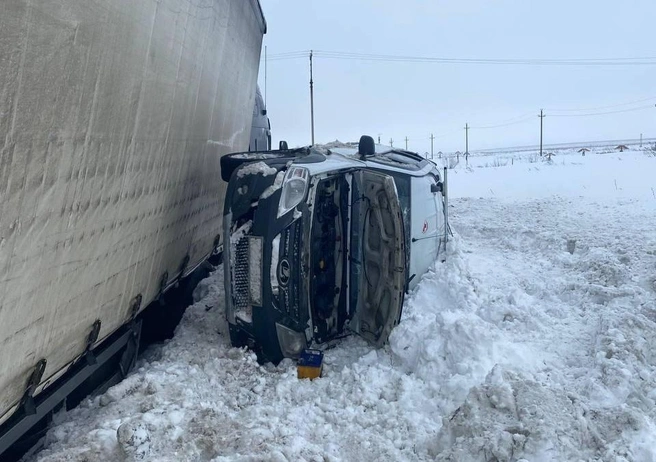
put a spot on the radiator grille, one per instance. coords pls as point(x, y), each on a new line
point(241, 294)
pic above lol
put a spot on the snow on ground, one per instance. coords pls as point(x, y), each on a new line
point(534, 341)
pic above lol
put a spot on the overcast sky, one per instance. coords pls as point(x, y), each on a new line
point(415, 99)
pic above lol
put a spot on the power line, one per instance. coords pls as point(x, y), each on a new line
point(602, 113)
point(526, 118)
point(440, 135)
point(521, 119)
point(514, 121)
point(651, 98)
point(288, 55)
point(617, 61)
point(424, 138)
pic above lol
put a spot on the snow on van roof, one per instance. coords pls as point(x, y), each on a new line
point(348, 148)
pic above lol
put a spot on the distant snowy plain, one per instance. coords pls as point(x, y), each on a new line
point(534, 341)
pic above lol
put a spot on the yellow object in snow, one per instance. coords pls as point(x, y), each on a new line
point(310, 364)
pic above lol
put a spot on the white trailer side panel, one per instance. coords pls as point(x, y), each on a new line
point(113, 116)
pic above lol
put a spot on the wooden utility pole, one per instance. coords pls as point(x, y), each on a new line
point(541, 116)
point(640, 139)
point(391, 143)
point(311, 99)
point(406, 143)
point(466, 139)
point(432, 138)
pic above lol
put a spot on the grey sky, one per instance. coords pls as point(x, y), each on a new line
point(399, 99)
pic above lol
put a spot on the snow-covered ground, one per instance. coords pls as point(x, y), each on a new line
point(536, 341)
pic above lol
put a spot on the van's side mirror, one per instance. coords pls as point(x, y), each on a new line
point(283, 146)
point(437, 187)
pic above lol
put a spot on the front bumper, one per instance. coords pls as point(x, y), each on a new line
point(265, 281)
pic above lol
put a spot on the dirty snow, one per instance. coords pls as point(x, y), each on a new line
point(277, 184)
point(256, 156)
point(273, 269)
point(254, 168)
point(534, 341)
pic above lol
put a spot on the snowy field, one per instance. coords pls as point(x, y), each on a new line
point(535, 341)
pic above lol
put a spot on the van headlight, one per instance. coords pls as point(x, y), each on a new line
point(291, 343)
point(294, 188)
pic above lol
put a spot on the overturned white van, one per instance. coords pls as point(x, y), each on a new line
point(323, 240)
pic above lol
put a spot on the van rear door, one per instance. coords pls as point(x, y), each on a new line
point(381, 257)
point(427, 226)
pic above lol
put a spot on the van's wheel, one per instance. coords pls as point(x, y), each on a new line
point(231, 162)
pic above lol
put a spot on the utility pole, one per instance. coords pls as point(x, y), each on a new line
point(379, 138)
point(640, 139)
point(391, 143)
point(541, 116)
point(406, 143)
point(466, 139)
point(311, 99)
point(432, 138)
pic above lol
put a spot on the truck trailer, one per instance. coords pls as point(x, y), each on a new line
point(114, 115)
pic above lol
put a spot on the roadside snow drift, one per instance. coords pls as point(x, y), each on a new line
point(535, 340)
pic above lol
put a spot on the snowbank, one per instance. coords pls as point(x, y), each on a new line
point(534, 341)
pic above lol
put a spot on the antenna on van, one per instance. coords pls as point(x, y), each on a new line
point(366, 147)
